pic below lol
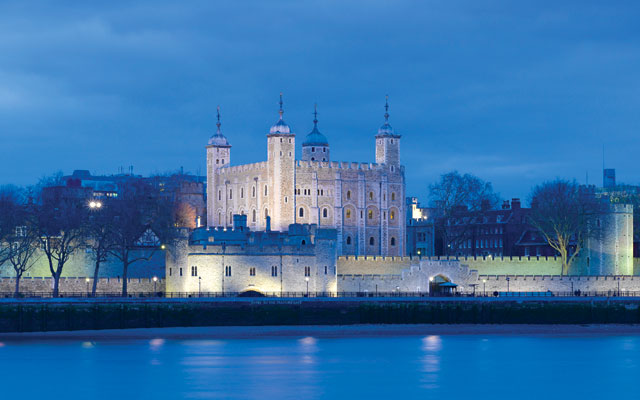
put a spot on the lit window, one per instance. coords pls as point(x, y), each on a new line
point(370, 214)
point(348, 213)
point(392, 215)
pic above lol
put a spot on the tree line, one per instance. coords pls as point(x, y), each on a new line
point(561, 210)
point(34, 226)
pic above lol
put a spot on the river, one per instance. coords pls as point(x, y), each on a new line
point(322, 364)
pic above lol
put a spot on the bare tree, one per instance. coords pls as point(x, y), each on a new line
point(23, 248)
point(459, 198)
point(560, 210)
point(61, 232)
point(99, 237)
point(142, 220)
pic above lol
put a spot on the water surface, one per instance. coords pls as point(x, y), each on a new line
point(492, 366)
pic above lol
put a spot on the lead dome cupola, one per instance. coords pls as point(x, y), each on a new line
point(218, 139)
point(315, 138)
point(280, 127)
point(386, 129)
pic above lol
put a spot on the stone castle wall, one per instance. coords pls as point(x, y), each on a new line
point(80, 285)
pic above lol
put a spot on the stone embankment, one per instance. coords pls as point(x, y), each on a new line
point(41, 315)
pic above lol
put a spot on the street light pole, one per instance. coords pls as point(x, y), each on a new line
point(307, 279)
point(155, 279)
point(484, 287)
point(199, 285)
point(87, 280)
point(508, 279)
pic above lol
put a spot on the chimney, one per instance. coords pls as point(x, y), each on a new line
point(506, 205)
point(515, 204)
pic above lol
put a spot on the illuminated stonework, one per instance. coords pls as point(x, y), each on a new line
point(364, 202)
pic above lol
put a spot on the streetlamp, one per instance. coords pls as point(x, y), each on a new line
point(484, 287)
point(94, 205)
point(199, 285)
point(87, 280)
point(155, 279)
point(508, 279)
point(307, 280)
point(618, 286)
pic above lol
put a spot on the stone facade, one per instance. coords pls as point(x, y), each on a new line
point(235, 260)
point(364, 202)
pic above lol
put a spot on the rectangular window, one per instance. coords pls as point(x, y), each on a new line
point(194, 271)
point(227, 270)
point(307, 271)
point(170, 272)
point(180, 271)
point(325, 269)
point(252, 271)
point(274, 271)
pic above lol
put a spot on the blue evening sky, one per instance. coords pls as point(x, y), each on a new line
point(515, 92)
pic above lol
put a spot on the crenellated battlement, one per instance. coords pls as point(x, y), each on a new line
point(358, 166)
point(386, 259)
point(259, 166)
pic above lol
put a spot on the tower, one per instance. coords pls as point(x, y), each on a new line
point(315, 146)
point(387, 142)
point(218, 156)
point(281, 147)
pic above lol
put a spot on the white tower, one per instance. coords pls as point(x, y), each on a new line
point(218, 156)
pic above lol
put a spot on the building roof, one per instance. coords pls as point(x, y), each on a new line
point(315, 138)
point(218, 139)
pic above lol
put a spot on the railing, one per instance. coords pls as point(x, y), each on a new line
point(394, 294)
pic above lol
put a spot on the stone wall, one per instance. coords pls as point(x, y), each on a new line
point(80, 285)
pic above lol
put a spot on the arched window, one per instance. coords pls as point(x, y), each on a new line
point(348, 239)
point(348, 194)
point(219, 218)
point(393, 196)
point(392, 215)
point(301, 212)
point(253, 216)
point(348, 213)
point(393, 241)
point(230, 218)
point(325, 213)
point(370, 214)
point(370, 195)
point(266, 213)
point(371, 241)
point(303, 242)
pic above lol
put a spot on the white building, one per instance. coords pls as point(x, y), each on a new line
point(364, 202)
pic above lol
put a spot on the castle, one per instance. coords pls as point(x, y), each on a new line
point(364, 202)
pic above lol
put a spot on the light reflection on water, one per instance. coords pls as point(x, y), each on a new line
point(465, 366)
